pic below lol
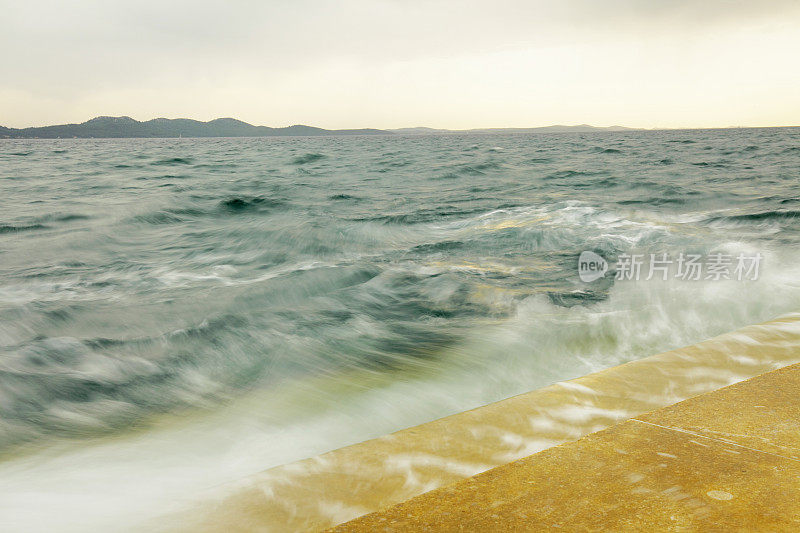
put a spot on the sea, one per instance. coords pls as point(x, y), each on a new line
point(176, 314)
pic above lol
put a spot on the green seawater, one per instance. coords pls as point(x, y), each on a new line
point(176, 314)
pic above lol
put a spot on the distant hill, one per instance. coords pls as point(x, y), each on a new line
point(116, 127)
point(581, 128)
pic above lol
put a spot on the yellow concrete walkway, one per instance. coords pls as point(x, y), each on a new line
point(327, 490)
point(728, 460)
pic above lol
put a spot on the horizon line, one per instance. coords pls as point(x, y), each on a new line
point(433, 128)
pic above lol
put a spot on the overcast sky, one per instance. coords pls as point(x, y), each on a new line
point(396, 63)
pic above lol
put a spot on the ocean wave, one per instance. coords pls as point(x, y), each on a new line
point(231, 205)
point(247, 203)
point(12, 228)
point(310, 157)
point(569, 173)
point(602, 150)
point(441, 246)
point(788, 216)
point(422, 216)
point(172, 215)
point(712, 164)
point(63, 217)
point(446, 176)
point(653, 201)
point(173, 161)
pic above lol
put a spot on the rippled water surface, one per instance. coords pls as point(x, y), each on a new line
point(179, 313)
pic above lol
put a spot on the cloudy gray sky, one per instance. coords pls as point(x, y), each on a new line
point(395, 63)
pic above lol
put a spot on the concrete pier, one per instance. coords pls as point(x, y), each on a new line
point(728, 460)
point(338, 486)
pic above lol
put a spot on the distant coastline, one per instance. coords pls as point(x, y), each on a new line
point(106, 127)
point(127, 127)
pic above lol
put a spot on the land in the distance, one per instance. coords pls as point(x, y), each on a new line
point(126, 127)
